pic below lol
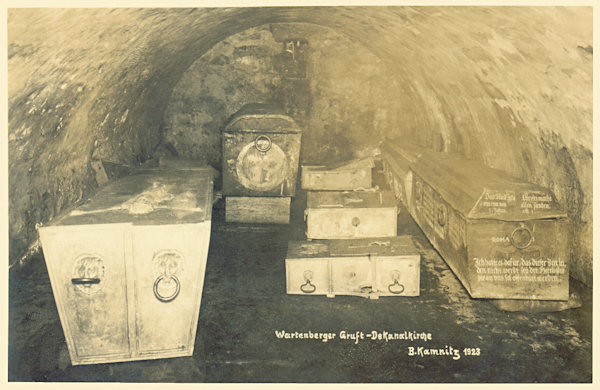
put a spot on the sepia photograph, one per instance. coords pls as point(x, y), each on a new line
point(273, 193)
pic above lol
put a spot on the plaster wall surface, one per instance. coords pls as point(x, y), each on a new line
point(353, 98)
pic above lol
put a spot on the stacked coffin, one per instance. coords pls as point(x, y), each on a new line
point(352, 247)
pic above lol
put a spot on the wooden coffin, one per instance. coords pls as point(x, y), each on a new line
point(502, 237)
point(369, 267)
point(261, 149)
point(253, 209)
point(350, 214)
point(127, 267)
point(351, 175)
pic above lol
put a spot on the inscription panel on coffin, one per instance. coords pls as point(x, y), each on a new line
point(519, 260)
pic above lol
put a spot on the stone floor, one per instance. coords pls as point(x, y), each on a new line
point(244, 303)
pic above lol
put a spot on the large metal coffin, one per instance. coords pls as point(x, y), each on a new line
point(350, 214)
point(370, 267)
point(261, 148)
point(502, 237)
point(127, 267)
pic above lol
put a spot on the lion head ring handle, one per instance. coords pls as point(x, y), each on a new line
point(160, 280)
point(308, 287)
point(396, 288)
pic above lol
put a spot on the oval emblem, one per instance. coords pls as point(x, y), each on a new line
point(521, 237)
point(261, 170)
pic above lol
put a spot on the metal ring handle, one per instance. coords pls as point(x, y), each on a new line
point(259, 143)
point(393, 290)
point(391, 287)
point(521, 237)
point(308, 287)
point(85, 280)
point(170, 297)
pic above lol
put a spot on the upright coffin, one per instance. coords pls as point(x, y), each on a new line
point(370, 267)
point(127, 267)
point(261, 148)
point(502, 237)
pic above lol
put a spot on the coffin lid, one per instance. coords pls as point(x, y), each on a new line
point(384, 246)
point(350, 199)
point(308, 249)
point(351, 165)
point(187, 163)
point(263, 118)
point(481, 192)
point(402, 154)
point(149, 197)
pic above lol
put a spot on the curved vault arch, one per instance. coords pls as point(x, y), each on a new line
point(510, 86)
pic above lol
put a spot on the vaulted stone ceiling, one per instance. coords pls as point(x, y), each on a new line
point(510, 86)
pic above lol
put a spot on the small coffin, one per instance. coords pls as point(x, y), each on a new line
point(350, 214)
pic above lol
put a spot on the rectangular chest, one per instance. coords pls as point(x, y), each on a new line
point(350, 214)
point(385, 266)
point(127, 268)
